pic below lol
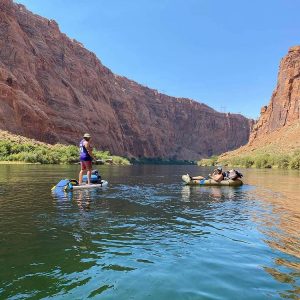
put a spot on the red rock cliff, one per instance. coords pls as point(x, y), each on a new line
point(53, 89)
point(278, 128)
point(284, 107)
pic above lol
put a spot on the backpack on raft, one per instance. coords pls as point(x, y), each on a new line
point(233, 175)
point(95, 177)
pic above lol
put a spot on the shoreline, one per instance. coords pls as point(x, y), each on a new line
point(5, 162)
point(16, 149)
point(258, 160)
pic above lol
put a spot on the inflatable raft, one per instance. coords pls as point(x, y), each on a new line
point(211, 182)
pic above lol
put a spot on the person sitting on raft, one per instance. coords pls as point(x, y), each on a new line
point(217, 175)
point(86, 157)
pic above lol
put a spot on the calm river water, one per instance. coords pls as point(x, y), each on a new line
point(147, 236)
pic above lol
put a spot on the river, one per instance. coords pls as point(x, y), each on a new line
point(147, 236)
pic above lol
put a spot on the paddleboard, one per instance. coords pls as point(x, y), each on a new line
point(103, 183)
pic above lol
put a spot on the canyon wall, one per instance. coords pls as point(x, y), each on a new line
point(284, 107)
point(278, 128)
point(54, 90)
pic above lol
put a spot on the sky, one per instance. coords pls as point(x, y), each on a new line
point(225, 54)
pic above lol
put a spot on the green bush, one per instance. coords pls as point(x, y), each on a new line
point(295, 161)
point(18, 148)
point(30, 157)
point(120, 160)
point(46, 154)
point(247, 162)
point(208, 162)
point(15, 157)
point(4, 148)
point(101, 154)
point(282, 161)
point(262, 161)
point(266, 160)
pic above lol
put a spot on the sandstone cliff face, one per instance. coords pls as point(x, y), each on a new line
point(278, 128)
point(53, 89)
point(284, 107)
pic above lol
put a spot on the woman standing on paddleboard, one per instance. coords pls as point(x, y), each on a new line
point(86, 157)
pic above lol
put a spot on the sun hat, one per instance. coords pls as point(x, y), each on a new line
point(86, 135)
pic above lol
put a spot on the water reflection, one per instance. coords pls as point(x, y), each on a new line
point(81, 197)
point(148, 236)
point(276, 216)
point(280, 225)
point(194, 193)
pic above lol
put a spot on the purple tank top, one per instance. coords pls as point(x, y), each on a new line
point(84, 155)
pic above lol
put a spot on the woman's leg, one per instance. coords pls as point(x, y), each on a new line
point(197, 177)
point(89, 171)
point(83, 168)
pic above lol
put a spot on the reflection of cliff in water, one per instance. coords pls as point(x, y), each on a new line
point(280, 190)
point(275, 211)
point(243, 239)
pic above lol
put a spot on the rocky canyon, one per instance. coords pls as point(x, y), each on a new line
point(278, 128)
point(54, 90)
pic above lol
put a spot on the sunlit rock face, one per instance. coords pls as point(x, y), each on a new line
point(277, 131)
point(284, 107)
point(53, 89)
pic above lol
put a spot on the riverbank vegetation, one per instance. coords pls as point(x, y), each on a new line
point(257, 160)
point(161, 161)
point(19, 149)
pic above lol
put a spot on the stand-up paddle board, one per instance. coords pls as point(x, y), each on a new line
point(103, 183)
point(72, 184)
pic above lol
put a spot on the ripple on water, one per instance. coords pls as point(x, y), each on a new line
point(143, 238)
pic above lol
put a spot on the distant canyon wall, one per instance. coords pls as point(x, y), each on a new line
point(53, 89)
point(284, 107)
point(277, 131)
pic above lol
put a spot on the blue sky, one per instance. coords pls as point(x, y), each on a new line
point(223, 53)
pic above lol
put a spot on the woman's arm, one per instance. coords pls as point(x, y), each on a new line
point(89, 149)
